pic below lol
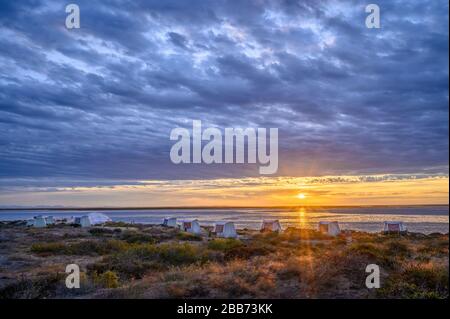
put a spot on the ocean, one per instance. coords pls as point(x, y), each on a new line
point(424, 219)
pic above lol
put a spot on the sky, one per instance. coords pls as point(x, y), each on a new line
point(86, 114)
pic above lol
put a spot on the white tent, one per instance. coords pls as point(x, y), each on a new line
point(225, 229)
point(49, 220)
point(329, 228)
point(271, 226)
point(71, 220)
point(394, 227)
point(191, 226)
point(39, 222)
point(170, 222)
point(93, 219)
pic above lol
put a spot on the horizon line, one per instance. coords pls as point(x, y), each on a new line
point(208, 207)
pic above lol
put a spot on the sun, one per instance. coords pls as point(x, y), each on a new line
point(301, 196)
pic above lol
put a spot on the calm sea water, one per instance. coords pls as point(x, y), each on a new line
point(424, 219)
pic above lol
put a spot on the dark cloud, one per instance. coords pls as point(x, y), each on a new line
point(99, 102)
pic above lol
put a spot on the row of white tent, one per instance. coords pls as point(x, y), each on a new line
point(333, 229)
point(84, 221)
point(221, 229)
point(228, 230)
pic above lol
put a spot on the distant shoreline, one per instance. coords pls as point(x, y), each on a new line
point(210, 207)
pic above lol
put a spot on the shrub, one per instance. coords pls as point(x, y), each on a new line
point(176, 290)
point(127, 268)
point(42, 287)
point(137, 237)
point(119, 224)
point(55, 248)
point(373, 254)
point(396, 248)
point(224, 244)
point(427, 276)
point(188, 236)
point(140, 258)
point(246, 252)
point(101, 231)
point(292, 270)
point(424, 281)
point(187, 289)
point(177, 254)
point(295, 234)
point(435, 246)
point(108, 279)
point(86, 247)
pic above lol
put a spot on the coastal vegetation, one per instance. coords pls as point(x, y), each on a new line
point(151, 261)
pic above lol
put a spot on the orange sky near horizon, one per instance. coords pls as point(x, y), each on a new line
point(265, 191)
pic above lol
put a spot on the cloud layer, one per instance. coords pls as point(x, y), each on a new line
point(98, 103)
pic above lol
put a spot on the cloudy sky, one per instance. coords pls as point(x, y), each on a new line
point(85, 114)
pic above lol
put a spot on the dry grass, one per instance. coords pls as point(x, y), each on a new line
point(141, 261)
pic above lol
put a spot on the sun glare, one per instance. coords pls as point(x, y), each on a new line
point(301, 196)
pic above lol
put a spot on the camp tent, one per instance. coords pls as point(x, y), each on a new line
point(93, 219)
point(225, 229)
point(329, 228)
point(191, 226)
point(170, 222)
point(394, 227)
point(71, 220)
point(39, 222)
point(271, 226)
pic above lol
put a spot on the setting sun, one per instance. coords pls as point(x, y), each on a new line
point(301, 196)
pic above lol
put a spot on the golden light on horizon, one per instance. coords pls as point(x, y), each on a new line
point(280, 191)
point(301, 196)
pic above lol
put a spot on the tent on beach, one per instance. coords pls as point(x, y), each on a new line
point(271, 226)
point(225, 230)
point(40, 222)
point(94, 219)
point(394, 227)
point(329, 228)
point(170, 222)
point(190, 226)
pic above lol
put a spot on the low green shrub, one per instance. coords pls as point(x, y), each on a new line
point(36, 288)
point(247, 251)
point(108, 279)
point(224, 244)
point(417, 282)
point(188, 236)
point(87, 247)
point(119, 224)
point(141, 258)
point(137, 237)
point(397, 248)
point(101, 231)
